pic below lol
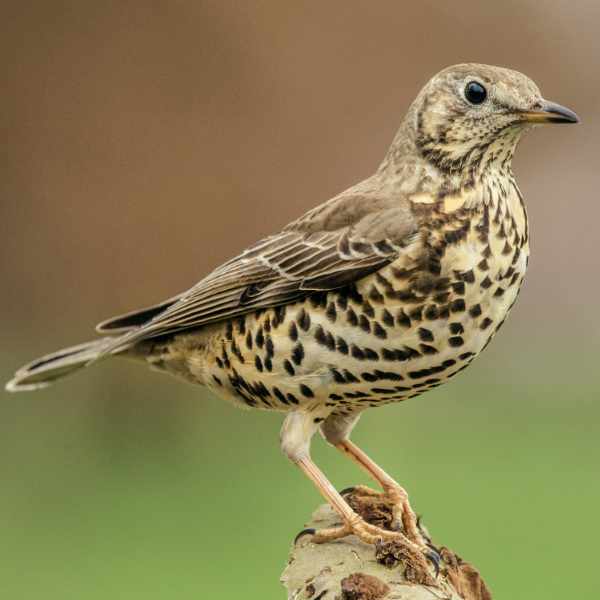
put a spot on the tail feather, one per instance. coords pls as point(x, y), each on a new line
point(42, 372)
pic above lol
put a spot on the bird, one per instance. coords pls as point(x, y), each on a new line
point(387, 290)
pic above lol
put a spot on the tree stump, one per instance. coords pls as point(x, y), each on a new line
point(348, 569)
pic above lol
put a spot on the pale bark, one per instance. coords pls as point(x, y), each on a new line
point(348, 569)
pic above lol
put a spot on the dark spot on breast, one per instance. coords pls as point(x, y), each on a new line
point(370, 354)
point(331, 312)
point(287, 365)
point(466, 355)
point(241, 323)
point(236, 351)
point(337, 376)
point(457, 305)
point(456, 341)
point(249, 342)
point(357, 352)
point(259, 338)
point(388, 354)
point(229, 330)
point(499, 292)
point(419, 374)
point(442, 297)
point(364, 324)
point(456, 328)
point(368, 309)
point(291, 398)
point(306, 391)
point(378, 390)
point(298, 354)
point(278, 316)
point(342, 300)
point(379, 331)
point(279, 395)
point(269, 347)
point(483, 265)
point(341, 345)
point(258, 363)
point(219, 362)
point(217, 380)
point(336, 397)
point(427, 349)
point(416, 314)
point(351, 317)
point(320, 336)
point(458, 288)
point(486, 283)
point(350, 377)
point(444, 312)
point(304, 320)
point(425, 334)
point(356, 395)
point(508, 273)
point(387, 317)
point(468, 276)
point(431, 312)
point(293, 331)
point(403, 319)
point(375, 295)
point(475, 311)
point(485, 323)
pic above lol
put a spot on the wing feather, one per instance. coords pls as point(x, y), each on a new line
point(327, 249)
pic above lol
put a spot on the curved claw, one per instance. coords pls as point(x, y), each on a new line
point(435, 559)
point(307, 531)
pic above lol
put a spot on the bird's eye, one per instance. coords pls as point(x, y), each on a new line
point(475, 93)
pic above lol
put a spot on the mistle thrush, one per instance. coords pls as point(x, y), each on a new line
point(385, 291)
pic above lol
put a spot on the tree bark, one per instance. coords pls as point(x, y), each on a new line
point(348, 569)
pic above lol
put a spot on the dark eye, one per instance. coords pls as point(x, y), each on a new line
point(475, 93)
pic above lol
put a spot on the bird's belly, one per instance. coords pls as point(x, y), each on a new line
point(347, 350)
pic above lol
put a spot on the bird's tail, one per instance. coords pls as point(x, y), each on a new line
point(43, 371)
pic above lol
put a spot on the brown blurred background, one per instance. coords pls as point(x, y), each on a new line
point(146, 142)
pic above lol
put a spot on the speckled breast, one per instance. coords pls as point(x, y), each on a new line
point(394, 334)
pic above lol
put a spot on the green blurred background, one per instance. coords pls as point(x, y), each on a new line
point(144, 143)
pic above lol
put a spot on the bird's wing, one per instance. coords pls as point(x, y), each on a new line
point(330, 247)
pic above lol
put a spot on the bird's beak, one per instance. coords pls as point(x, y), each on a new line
point(549, 112)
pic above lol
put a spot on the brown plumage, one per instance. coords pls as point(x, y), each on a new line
point(385, 291)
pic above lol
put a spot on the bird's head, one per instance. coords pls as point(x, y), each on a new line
point(471, 114)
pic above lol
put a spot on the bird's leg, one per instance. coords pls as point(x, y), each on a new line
point(336, 430)
point(402, 509)
point(296, 433)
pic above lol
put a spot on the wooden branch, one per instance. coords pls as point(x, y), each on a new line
point(348, 569)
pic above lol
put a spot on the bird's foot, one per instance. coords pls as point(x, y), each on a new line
point(420, 561)
point(389, 509)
